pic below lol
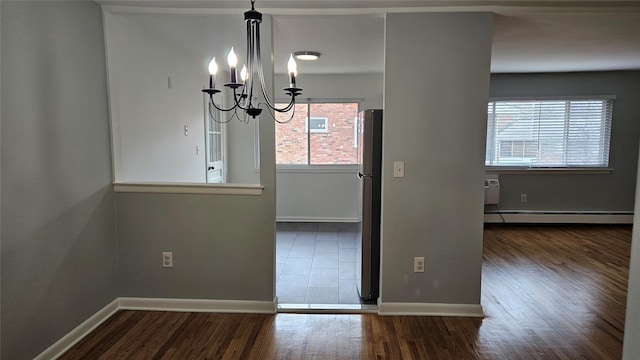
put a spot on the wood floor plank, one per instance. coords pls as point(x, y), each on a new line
point(548, 292)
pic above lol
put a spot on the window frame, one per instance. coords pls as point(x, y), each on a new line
point(528, 169)
point(321, 168)
point(317, 131)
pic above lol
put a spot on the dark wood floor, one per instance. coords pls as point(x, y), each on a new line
point(548, 293)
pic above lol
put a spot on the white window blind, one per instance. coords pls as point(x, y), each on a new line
point(549, 133)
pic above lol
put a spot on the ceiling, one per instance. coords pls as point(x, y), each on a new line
point(529, 36)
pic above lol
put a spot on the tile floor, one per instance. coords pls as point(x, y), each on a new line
point(316, 263)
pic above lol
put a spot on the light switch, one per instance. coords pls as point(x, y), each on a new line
point(398, 169)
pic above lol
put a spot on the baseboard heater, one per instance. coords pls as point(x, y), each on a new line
point(558, 217)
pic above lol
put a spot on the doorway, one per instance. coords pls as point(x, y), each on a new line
point(316, 263)
point(319, 203)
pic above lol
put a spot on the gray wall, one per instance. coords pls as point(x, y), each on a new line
point(436, 210)
point(58, 224)
point(631, 344)
point(578, 192)
point(223, 245)
point(0, 182)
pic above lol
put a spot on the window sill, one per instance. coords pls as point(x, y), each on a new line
point(189, 188)
point(549, 171)
point(319, 169)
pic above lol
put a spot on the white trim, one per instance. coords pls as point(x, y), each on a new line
point(547, 171)
point(184, 305)
point(70, 339)
point(429, 309)
point(322, 100)
point(317, 131)
point(559, 217)
point(533, 98)
point(318, 219)
point(199, 305)
point(508, 7)
point(328, 308)
point(318, 169)
point(190, 188)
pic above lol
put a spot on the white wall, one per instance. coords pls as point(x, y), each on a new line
point(241, 163)
point(365, 87)
point(327, 193)
point(148, 115)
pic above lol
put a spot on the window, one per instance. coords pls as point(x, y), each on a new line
point(518, 148)
point(317, 124)
point(549, 133)
point(320, 133)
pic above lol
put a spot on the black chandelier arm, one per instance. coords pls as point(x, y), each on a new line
point(284, 109)
point(237, 98)
point(219, 108)
point(243, 120)
point(249, 89)
point(293, 113)
point(287, 108)
point(243, 99)
point(211, 114)
point(263, 86)
point(293, 92)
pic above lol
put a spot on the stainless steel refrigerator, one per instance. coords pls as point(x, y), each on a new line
point(370, 154)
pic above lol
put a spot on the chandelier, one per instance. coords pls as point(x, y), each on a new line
point(242, 88)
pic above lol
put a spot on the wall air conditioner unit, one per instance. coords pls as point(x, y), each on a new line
point(491, 191)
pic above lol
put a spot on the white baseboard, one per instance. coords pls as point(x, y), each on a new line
point(318, 219)
point(533, 217)
point(429, 309)
point(199, 305)
point(77, 334)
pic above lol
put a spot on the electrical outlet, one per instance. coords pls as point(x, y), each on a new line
point(418, 264)
point(167, 259)
point(523, 198)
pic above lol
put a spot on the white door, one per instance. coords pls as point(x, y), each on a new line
point(215, 147)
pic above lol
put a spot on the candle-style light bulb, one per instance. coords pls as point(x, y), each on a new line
point(232, 59)
point(213, 69)
point(293, 71)
point(244, 74)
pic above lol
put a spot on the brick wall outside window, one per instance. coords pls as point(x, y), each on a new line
point(335, 146)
